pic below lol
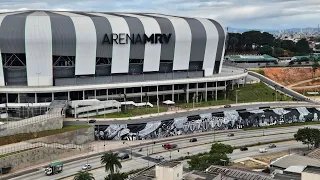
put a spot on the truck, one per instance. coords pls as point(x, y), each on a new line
point(169, 146)
point(53, 168)
point(263, 150)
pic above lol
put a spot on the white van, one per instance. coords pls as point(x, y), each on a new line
point(263, 150)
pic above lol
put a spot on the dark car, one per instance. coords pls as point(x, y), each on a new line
point(123, 156)
point(193, 140)
point(230, 134)
point(243, 149)
point(272, 146)
point(227, 106)
point(92, 121)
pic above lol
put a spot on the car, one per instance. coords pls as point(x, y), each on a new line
point(92, 121)
point(227, 106)
point(243, 149)
point(193, 140)
point(123, 156)
point(272, 146)
point(159, 158)
point(230, 134)
point(263, 150)
point(169, 146)
point(86, 167)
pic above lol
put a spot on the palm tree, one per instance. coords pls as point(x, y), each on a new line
point(83, 175)
point(111, 162)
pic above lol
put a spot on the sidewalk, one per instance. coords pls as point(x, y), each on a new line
point(182, 110)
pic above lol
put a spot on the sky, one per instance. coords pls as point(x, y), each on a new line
point(249, 14)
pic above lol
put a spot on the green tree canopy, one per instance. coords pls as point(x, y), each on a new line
point(116, 176)
point(278, 52)
point(309, 136)
point(111, 162)
point(303, 47)
point(203, 162)
point(220, 148)
point(83, 175)
point(266, 50)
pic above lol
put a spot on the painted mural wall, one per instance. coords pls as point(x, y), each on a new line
point(232, 119)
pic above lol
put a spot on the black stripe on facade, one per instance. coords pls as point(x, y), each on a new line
point(63, 35)
point(167, 50)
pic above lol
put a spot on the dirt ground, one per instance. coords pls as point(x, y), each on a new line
point(249, 165)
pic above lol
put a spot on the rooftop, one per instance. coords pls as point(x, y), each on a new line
point(295, 160)
point(237, 173)
point(170, 164)
point(251, 58)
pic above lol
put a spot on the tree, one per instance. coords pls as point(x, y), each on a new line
point(111, 162)
point(303, 47)
point(317, 46)
point(309, 136)
point(203, 162)
point(315, 66)
point(220, 148)
point(116, 176)
point(266, 50)
point(83, 175)
point(278, 52)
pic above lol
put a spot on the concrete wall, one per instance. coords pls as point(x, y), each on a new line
point(39, 155)
point(309, 176)
point(44, 125)
point(80, 136)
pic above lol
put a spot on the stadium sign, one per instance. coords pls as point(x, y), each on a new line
point(123, 38)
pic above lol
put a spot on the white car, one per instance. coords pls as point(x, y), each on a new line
point(86, 167)
point(263, 150)
point(159, 158)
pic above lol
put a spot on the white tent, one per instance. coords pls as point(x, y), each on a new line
point(168, 102)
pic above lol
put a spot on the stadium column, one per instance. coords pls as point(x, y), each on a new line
point(206, 93)
point(52, 96)
point(197, 92)
point(68, 95)
point(172, 93)
point(187, 93)
point(216, 91)
point(83, 95)
point(18, 97)
point(95, 94)
point(141, 94)
point(35, 98)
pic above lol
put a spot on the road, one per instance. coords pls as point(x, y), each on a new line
point(146, 156)
point(282, 88)
point(100, 121)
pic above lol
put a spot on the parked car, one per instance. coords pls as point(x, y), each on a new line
point(169, 146)
point(227, 106)
point(272, 146)
point(230, 134)
point(86, 167)
point(123, 156)
point(159, 158)
point(263, 150)
point(92, 121)
point(243, 149)
point(193, 140)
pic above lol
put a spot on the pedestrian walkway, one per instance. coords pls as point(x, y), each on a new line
point(180, 110)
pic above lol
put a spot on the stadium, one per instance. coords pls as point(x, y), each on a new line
point(59, 55)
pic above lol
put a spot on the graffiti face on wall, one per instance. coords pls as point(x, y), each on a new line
point(206, 122)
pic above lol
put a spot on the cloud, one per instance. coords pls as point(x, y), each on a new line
point(237, 13)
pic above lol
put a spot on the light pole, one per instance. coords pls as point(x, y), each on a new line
point(263, 120)
point(158, 105)
point(193, 99)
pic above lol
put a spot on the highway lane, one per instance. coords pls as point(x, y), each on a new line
point(100, 121)
point(282, 88)
point(99, 173)
point(141, 157)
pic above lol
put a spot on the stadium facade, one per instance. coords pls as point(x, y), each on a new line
point(49, 55)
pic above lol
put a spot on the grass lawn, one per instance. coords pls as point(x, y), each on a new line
point(133, 112)
point(284, 125)
point(258, 92)
point(27, 136)
point(259, 71)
